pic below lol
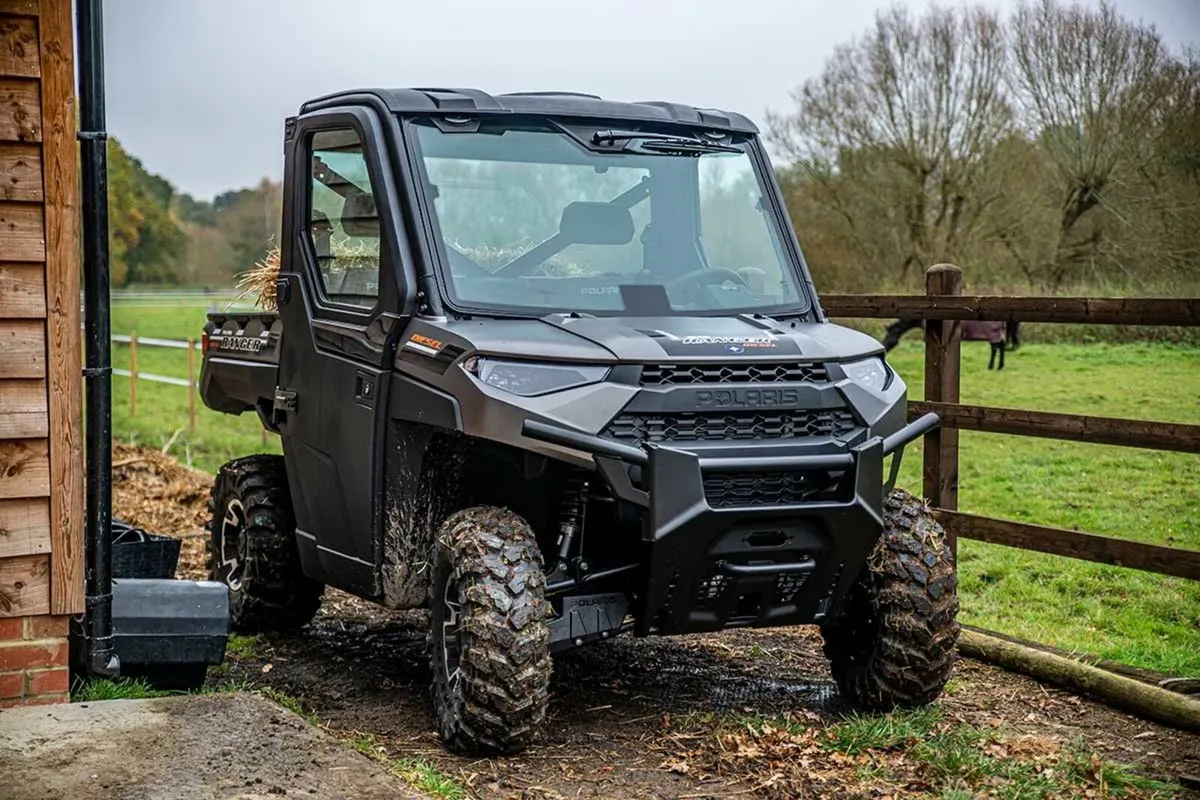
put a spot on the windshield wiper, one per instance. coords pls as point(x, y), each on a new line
point(647, 141)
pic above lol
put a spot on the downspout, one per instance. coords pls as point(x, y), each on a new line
point(100, 658)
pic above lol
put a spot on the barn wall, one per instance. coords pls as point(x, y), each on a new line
point(41, 484)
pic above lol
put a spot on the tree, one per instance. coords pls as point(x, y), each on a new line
point(907, 115)
point(1089, 86)
point(145, 239)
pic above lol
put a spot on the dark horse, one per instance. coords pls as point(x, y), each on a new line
point(1001, 335)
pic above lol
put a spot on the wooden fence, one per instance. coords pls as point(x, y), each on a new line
point(944, 307)
point(135, 375)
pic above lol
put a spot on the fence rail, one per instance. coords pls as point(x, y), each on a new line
point(1174, 436)
point(944, 306)
point(1067, 310)
point(135, 375)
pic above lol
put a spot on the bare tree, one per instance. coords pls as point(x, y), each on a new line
point(909, 113)
point(1089, 88)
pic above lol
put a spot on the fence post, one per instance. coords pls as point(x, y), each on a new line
point(191, 347)
point(942, 348)
point(133, 374)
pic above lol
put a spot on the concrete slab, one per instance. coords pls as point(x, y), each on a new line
point(197, 747)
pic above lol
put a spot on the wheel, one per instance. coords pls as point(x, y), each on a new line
point(489, 642)
point(252, 548)
point(895, 644)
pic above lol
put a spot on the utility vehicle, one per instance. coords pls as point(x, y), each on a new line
point(554, 367)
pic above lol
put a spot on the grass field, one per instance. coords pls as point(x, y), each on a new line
point(1144, 495)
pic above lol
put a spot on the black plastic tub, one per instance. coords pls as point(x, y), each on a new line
point(138, 554)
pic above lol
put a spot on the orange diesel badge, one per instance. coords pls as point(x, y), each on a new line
point(423, 344)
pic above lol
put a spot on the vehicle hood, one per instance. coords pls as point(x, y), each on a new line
point(651, 339)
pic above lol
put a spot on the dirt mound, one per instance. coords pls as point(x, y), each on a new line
point(158, 494)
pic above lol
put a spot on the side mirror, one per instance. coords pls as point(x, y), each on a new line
point(596, 223)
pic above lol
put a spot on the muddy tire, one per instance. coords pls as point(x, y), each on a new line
point(252, 547)
point(488, 639)
point(895, 645)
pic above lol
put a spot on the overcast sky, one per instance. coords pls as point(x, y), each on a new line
point(198, 89)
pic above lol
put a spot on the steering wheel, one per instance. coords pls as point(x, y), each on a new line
point(706, 277)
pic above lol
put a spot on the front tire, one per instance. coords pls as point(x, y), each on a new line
point(894, 646)
point(489, 642)
point(252, 548)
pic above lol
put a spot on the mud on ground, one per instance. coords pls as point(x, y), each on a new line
point(638, 718)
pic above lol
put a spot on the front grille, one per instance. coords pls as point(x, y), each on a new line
point(741, 372)
point(749, 489)
point(730, 426)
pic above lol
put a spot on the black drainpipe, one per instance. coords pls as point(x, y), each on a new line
point(100, 658)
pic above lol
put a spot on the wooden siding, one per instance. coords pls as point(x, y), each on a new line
point(24, 527)
point(22, 348)
point(23, 410)
point(24, 586)
point(24, 468)
point(19, 47)
point(41, 468)
point(20, 110)
point(61, 170)
point(21, 166)
point(22, 291)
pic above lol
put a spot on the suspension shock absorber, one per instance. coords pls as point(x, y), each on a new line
point(570, 525)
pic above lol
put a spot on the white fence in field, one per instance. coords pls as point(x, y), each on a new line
point(190, 346)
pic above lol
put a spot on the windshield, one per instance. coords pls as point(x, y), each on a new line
point(532, 219)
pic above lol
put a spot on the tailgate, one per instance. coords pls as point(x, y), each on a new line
point(241, 361)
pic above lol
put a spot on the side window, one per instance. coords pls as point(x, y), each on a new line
point(343, 221)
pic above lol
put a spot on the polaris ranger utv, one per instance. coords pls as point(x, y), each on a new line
point(554, 367)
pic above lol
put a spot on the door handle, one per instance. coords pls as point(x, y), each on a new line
point(364, 389)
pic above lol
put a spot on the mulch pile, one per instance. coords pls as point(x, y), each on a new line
point(158, 494)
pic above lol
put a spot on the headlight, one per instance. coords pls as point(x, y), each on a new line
point(870, 373)
point(529, 378)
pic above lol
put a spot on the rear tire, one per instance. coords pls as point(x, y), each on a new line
point(489, 642)
point(895, 644)
point(252, 548)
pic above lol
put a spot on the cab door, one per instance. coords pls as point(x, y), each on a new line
point(341, 294)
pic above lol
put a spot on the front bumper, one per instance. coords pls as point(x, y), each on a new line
point(708, 566)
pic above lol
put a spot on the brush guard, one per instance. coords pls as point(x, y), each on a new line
point(789, 562)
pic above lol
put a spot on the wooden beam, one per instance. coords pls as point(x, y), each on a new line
point(942, 361)
point(25, 415)
point(22, 291)
point(20, 110)
point(22, 232)
point(19, 47)
point(24, 527)
point(1076, 310)
point(24, 468)
point(1074, 544)
point(1174, 436)
point(61, 163)
point(19, 8)
point(25, 586)
point(22, 348)
point(21, 166)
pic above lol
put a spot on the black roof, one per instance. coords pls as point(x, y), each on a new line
point(556, 104)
